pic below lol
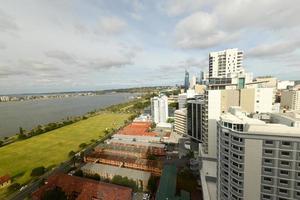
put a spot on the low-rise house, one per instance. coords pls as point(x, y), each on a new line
point(5, 180)
point(82, 189)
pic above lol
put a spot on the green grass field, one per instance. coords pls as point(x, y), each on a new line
point(52, 148)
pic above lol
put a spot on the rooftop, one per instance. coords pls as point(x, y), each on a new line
point(137, 143)
point(84, 188)
point(4, 179)
point(129, 173)
point(137, 128)
point(256, 126)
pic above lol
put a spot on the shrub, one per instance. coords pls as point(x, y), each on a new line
point(82, 145)
point(14, 187)
point(78, 173)
point(72, 153)
point(38, 171)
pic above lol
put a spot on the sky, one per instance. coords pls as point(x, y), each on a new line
point(67, 45)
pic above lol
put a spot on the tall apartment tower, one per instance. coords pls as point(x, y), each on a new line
point(290, 99)
point(256, 160)
point(222, 63)
point(180, 121)
point(186, 81)
point(159, 109)
point(194, 118)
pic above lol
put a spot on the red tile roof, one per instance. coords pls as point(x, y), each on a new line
point(138, 128)
point(4, 179)
point(84, 188)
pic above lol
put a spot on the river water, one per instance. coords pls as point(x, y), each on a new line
point(28, 114)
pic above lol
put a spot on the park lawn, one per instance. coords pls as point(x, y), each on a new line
point(52, 148)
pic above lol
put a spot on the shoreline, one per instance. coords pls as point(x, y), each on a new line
point(63, 122)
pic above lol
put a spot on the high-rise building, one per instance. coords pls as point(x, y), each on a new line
point(186, 81)
point(193, 82)
point(180, 121)
point(256, 160)
point(182, 100)
point(222, 63)
point(194, 118)
point(290, 99)
point(159, 109)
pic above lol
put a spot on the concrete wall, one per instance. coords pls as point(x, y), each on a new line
point(229, 98)
point(214, 112)
point(252, 171)
point(247, 99)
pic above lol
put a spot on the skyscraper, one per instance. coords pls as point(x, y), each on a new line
point(186, 81)
point(159, 109)
point(222, 63)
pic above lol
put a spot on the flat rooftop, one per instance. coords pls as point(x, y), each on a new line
point(137, 128)
point(274, 129)
point(95, 168)
point(136, 143)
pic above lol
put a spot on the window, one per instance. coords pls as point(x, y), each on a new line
point(283, 191)
point(298, 184)
point(267, 188)
point(286, 163)
point(267, 160)
point(285, 153)
point(286, 143)
point(266, 196)
point(267, 179)
point(268, 151)
point(282, 181)
point(268, 170)
point(269, 142)
point(284, 172)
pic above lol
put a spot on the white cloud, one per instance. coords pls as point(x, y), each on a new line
point(199, 30)
point(274, 49)
point(111, 25)
point(178, 7)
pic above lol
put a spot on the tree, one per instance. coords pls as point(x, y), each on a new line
point(151, 157)
point(94, 176)
point(152, 184)
point(38, 171)
point(13, 187)
point(82, 145)
point(124, 181)
point(78, 173)
point(21, 131)
point(57, 193)
point(72, 153)
point(1, 142)
point(170, 120)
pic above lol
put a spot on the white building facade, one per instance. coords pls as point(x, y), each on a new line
point(222, 63)
point(159, 109)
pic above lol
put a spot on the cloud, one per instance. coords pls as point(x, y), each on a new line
point(7, 23)
point(61, 56)
point(200, 30)
point(111, 25)
point(274, 49)
point(178, 7)
point(274, 14)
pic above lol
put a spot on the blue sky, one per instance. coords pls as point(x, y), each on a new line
point(63, 45)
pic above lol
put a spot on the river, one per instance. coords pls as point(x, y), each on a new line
point(29, 114)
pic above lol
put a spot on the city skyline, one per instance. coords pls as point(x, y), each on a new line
point(78, 45)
